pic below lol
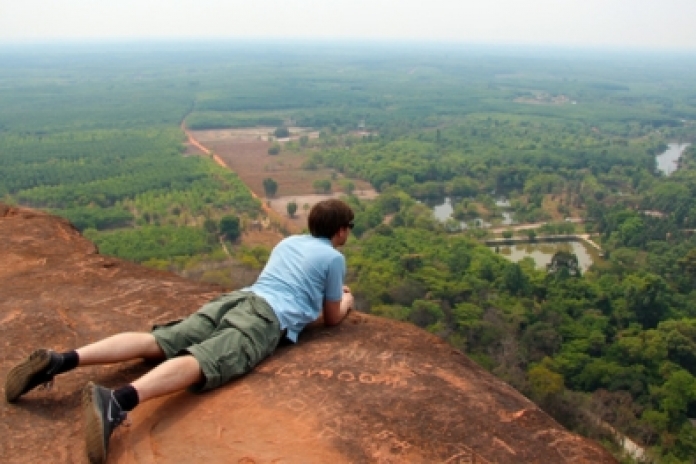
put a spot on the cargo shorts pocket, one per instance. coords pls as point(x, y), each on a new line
point(166, 324)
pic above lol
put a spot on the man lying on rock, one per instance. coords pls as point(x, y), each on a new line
point(301, 283)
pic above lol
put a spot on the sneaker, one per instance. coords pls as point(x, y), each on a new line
point(38, 369)
point(102, 415)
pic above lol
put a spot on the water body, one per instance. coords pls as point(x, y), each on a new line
point(667, 161)
point(542, 253)
point(443, 210)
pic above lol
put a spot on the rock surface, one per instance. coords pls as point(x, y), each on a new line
point(368, 391)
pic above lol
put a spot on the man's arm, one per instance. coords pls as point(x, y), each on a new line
point(335, 311)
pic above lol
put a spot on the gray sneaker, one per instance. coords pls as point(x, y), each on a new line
point(38, 369)
point(102, 414)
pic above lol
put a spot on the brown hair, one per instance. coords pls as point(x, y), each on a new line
point(327, 217)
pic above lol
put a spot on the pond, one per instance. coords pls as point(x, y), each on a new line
point(542, 253)
point(443, 210)
point(667, 161)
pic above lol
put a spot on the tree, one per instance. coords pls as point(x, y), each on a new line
point(425, 313)
point(541, 339)
point(514, 280)
point(281, 132)
point(615, 407)
point(646, 298)
point(270, 186)
point(349, 187)
point(229, 227)
point(463, 187)
point(676, 394)
point(322, 185)
point(681, 342)
point(210, 226)
point(508, 234)
point(292, 208)
point(544, 382)
point(564, 263)
point(388, 203)
point(688, 263)
point(274, 149)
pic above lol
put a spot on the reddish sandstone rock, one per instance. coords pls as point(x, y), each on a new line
point(370, 390)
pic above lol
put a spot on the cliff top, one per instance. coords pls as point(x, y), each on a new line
point(370, 390)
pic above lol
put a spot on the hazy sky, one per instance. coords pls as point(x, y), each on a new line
point(615, 23)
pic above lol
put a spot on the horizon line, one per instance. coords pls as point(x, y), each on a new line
point(325, 42)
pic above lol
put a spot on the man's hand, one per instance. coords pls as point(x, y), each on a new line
point(347, 301)
point(335, 311)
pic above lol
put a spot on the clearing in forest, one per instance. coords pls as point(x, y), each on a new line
point(245, 151)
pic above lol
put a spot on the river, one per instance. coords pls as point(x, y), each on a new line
point(667, 161)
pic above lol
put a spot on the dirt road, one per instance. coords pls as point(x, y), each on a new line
point(273, 215)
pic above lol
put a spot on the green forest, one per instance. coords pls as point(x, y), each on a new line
point(94, 135)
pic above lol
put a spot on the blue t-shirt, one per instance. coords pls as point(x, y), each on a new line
point(302, 272)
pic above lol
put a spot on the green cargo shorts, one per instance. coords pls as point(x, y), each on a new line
point(228, 336)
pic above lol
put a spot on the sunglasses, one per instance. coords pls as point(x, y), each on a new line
point(350, 225)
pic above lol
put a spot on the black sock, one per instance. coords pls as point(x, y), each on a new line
point(127, 397)
point(70, 361)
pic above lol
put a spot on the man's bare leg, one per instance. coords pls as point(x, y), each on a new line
point(41, 366)
point(172, 375)
point(122, 347)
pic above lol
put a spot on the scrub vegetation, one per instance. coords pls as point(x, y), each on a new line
point(95, 136)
